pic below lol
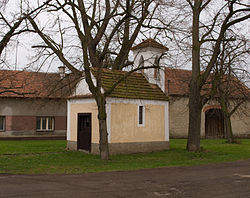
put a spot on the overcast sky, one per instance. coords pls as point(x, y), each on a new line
point(21, 50)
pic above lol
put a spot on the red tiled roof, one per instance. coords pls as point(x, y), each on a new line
point(149, 43)
point(23, 84)
point(231, 86)
point(177, 83)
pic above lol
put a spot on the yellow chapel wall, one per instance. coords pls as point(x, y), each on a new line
point(125, 128)
point(122, 121)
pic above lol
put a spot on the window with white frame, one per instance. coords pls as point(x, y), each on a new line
point(141, 115)
point(45, 123)
point(2, 123)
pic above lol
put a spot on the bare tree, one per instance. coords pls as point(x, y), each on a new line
point(212, 33)
point(228, 81)
point(199, 42)
point(12, 25)
point(86, 34)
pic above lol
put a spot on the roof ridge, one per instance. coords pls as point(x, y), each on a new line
point(24, 71)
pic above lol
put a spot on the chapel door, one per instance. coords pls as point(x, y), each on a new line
point(84, 131)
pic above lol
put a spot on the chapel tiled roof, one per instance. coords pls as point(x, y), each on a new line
point(135, 86)
point(149, 43)
point(24, 84)
point(177, 84)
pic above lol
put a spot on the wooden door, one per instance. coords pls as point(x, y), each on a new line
point(84, 131)
point(214, 124)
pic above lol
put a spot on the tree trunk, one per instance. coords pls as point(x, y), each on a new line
point(103, 133)
point(193, 143)
point(228, 129)
point(194, 126)
point(227, 117)
point(103, 142)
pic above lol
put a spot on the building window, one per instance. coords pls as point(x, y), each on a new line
point(44, 123)
point(2, 123)
point(141, 115)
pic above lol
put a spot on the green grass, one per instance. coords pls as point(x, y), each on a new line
point(31, 146)
point(38, 157)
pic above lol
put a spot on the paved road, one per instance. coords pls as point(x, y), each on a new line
point(229, 180)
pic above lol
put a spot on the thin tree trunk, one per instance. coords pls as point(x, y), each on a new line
point(193, 143)
point(103, 133)
point(228, 129)
point(227, 118)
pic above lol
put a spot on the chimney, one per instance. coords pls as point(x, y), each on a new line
point(62, 71)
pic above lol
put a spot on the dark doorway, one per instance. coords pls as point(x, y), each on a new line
point(214, 124)
point(84, 131)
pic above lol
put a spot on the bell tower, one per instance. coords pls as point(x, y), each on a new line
point(149, 53)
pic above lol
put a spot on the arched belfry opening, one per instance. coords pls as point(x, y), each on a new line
point(214, 123)
point(141, 63)
point(157, 69)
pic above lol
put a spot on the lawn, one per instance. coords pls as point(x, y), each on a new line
point(40, 157)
